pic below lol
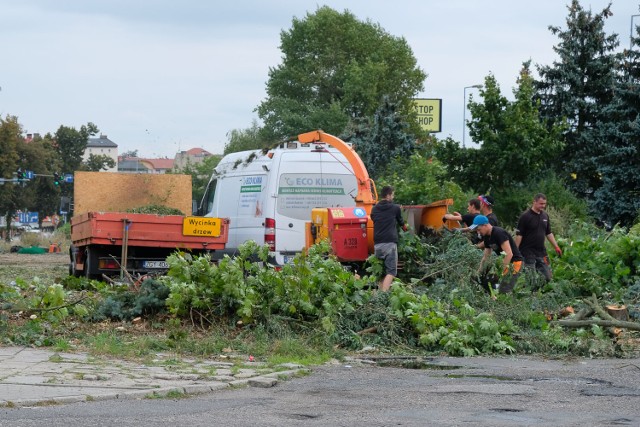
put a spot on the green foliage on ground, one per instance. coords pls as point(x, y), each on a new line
point(147, 300)
point(600, 262)
point(315, 303)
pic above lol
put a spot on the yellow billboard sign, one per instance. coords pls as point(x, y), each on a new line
point(199, 226)
point(429, 112)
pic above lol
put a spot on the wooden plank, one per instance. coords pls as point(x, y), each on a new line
point(119, 192)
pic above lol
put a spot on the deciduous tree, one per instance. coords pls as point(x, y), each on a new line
point(335, 69)
point(10, 139)
point(514, 146)
point(245, 139)
point(200, 175)
point(41, 157)
point(71, 145)
point(98, 162)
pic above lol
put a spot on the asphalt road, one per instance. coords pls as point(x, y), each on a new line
point(441, 392)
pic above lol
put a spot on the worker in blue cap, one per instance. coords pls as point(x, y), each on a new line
point(498, 239)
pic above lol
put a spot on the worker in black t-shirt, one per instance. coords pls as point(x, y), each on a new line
point(387, 217)
point(496, 238)
point(532, 229)
point(473, 210)
point(486, 208)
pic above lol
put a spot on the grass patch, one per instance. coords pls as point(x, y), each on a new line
point(56, 358)
point(171, 394)
point(61, 344)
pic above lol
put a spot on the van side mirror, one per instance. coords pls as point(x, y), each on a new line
point(194, 207)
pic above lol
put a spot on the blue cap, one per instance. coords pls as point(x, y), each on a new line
point(479, 220)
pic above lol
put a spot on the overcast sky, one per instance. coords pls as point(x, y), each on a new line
point(162, 76)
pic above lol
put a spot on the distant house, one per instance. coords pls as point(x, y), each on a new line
point(131, 165)
point(192, 157)
point(102, 146)
point(162, 165)
point(140, 165)
point(157, 165)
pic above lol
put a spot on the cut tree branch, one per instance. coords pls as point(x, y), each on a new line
point(607, 323)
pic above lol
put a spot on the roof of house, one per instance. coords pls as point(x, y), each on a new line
point(130, 164)
point(103, 141)
point(159, 164)
point(197, 152)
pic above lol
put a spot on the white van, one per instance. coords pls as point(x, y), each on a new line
point(268, 196)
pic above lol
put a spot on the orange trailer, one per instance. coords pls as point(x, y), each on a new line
point(112, 242)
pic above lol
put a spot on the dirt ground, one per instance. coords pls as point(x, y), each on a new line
point(34, 260)
point(47, 267)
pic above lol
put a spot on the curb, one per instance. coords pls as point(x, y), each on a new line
point(261, 381)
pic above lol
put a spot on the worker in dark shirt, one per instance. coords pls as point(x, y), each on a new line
point(465, 221)
point(473, 209)
point(499, 239)
point(387, 217)
point(486, 208)
point(532, 230)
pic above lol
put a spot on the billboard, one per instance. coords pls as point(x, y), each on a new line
point(429, 112)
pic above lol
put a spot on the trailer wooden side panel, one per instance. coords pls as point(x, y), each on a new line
point(143, 230)
point(119, 192)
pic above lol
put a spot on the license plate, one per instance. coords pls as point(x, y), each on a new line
point(288, 259)
point(155, 264)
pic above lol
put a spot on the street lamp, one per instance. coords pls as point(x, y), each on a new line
point(464, 111)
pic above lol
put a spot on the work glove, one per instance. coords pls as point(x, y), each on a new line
point(558, 250)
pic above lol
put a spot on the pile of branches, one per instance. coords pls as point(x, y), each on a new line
point(595, 314)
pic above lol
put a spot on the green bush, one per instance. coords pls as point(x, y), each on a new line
point(596, 261)
point(128, 304)
point(563, 207)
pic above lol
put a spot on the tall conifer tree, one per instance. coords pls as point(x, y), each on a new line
point(618, 198)
point(576, 90)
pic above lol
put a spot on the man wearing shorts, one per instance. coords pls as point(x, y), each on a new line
point(387, 217)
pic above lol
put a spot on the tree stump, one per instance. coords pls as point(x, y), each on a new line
point(618, 312)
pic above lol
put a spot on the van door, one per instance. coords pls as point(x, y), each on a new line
point(217, 203)
point(241, 198)
point(250, 217)
point(308, 180)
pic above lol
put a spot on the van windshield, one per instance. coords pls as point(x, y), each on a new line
point(298, 193)
point(207, 200)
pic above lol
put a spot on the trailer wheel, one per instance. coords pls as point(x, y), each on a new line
point(90, 260)
point(73, 252)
